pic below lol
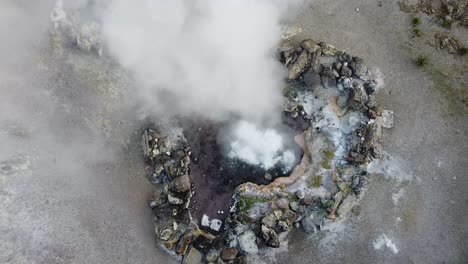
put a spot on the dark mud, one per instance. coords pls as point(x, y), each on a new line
point(215, 176)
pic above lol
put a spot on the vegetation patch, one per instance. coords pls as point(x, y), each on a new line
point(247, 202)
point(422, 60)
point(329, 154)
point(317, 181)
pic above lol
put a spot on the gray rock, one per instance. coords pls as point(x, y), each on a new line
point(165, 234)
point(294, 206)
point(269, 220)
point(283, 226)
point(282, 203)
point(358, 67)
point(347, 204)
point(174, 200)
point(328, 50)
point(248, 242)
point(193, 256)
point(328, 77)
point(181, 184)
point(313, 221)
point(270, 237)
point(300, 194)
point(311, 78)
point(310, 45)
point(212, 255)
point(387, 118)
point(300, 66)
point(346, 71)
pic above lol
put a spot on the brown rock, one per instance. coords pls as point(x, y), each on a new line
point(229, 254)
point(181, 184)
point(184, 243)
point(300, 66)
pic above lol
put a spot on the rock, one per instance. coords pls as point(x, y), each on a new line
point(346, 71)
point(174, 200)
point(181, 184)
point(311, 78)
point(310, 45)
point(337, 200)
point(88, 37)
point(358, 67)
point(283, 226)
point(165, 234)
point(291, 216)
point(290, 31)
point(345, 84)
point(370, 87)
point(241, 260)
point(313, 221)
point(282, 203)
point(205, 221)
point(248, 242)
point(347, 204)
point(269, 220)
point(387, 118)
point(300, 194)
point(193, 256)
point(328, 50)
point(270, 237)
point(328, 77)
point(212, 255)
point(300, 66)
point(184, 243)
point(159, 197)
point(229, 254)
point(294, 206)
point(268, 176)
point(216, 224)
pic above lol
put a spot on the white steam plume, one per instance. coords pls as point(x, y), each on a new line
point(263, 147)
point(209, 58)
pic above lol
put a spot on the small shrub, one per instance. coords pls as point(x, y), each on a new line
point(463, 51)
point(422, 60)
point(416, 21)
point(446, 23)
point(417, 32)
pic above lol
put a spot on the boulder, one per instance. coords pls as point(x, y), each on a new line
point(387, 118)
point(310, 45)
point(181, 184)
point(248, 242)
point(212, 255)
point(300, 66)
point(229, 254)
point(269, 220)
point(270, 237)
point(328, 77)
point(193, 256)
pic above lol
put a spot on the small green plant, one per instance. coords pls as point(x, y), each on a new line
point(317, 181)
point(463, 51)
point(246, 202)
point(422, 60)
point(328, 157)
point(417, 32)
point(416, 21)
point(446, 23)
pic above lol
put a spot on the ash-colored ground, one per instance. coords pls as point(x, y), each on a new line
point(97, 211)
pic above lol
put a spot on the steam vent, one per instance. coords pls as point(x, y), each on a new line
point(210, 207)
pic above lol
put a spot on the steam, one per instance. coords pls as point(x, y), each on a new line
point(257, 146)
point(210, 58)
